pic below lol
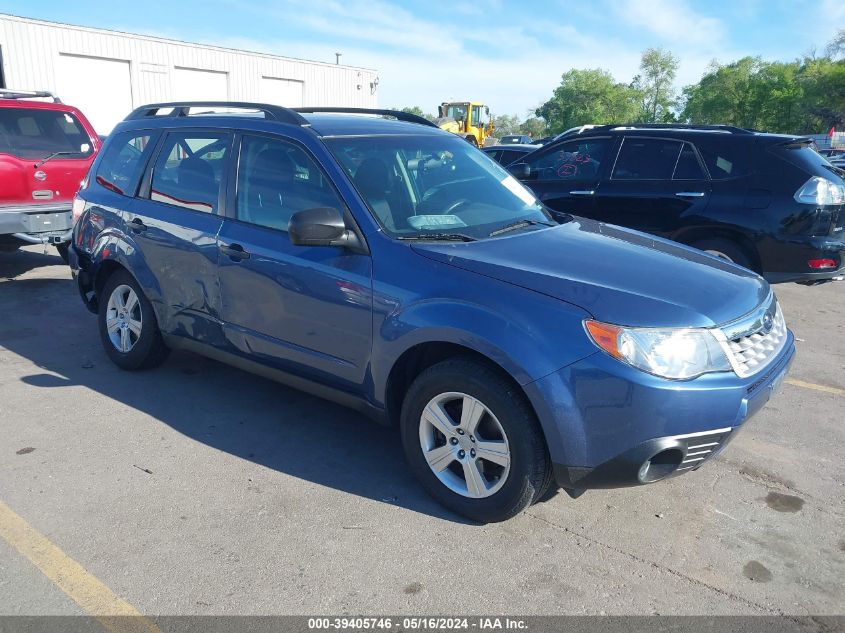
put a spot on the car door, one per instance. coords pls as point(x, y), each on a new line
point(655, 185)
point(174, 222)
point(565, 175)
point(304, 309)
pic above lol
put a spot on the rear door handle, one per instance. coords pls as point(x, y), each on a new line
point(137, 225)
point(582, 192)
point(690, 194)
point(234, 251)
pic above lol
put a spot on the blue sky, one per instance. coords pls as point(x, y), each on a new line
point(508, 54)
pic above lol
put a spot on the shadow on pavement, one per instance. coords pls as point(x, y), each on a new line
point(247, 416)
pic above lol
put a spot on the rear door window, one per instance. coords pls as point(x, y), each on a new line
point(32, 133)
point(123, 161)
point(188, 170)
point(646, 159)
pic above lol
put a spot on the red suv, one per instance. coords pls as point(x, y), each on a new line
point(46, 149)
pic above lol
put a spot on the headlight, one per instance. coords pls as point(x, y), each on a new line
point(678, 354)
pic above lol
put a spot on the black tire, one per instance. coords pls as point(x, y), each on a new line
point(148, 349)
point(530, 472)
point(726, 249)
point(62, 249)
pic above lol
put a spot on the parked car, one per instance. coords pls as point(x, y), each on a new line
point(46, 148)
point(385, 264)
point(833, 152)
point(765, 201)
point(515, 139)
point(506, 154)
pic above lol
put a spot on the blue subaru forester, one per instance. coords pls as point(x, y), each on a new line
point(373, 259)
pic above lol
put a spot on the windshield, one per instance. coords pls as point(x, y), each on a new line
point(425, 185)
point(36, 134)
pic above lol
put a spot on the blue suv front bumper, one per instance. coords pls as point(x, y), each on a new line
point(609, 425)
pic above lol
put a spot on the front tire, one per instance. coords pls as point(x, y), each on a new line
point(473, 441)
point(128, 327)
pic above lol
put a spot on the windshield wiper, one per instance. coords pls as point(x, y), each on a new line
point(53, 155)
point(518, 225)
point(445, 237)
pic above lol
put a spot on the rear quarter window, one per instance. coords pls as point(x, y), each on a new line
point(725, 158)
point(123, 161)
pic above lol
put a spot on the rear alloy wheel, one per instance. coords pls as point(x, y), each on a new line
point(473, 441)
point(724, 249)
point(128, 327)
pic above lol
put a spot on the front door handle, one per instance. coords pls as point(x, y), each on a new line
point(137, 225)
point(235, 252)
point(690, 194)
point(582, 192)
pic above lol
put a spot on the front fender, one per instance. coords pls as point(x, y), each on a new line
point(525, 333)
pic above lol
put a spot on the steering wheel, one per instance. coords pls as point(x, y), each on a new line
point(457, 204)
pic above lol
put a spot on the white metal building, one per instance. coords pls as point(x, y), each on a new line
point(107, 73)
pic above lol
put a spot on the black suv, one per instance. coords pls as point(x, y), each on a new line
point(765, 201)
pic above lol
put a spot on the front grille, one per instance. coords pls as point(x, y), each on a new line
point(701, 446)
point(753, 345)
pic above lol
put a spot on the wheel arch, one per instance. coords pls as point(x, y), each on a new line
point(420, 357)
point(691, 235)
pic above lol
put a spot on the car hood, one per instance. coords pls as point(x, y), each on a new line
point(618, 275)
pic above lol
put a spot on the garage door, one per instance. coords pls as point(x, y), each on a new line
point(284, 92)
point(100, 87)
point(192, 84)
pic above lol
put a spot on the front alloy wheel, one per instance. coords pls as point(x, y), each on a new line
point(464, 445)
point(473, 440)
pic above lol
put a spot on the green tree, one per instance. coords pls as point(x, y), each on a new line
point(533, 127)
point(836, 47)
point(655, 84)
point(823, 85)
point(418, 111)
point(727, 94)
point(589, 96)
point(505, 124)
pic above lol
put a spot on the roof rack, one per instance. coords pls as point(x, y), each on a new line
point(183, 108)
point(732, 129)
point(8, 93)
point(396, 114)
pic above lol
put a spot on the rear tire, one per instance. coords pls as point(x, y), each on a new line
point(128, 326)
point(483, 410)
point(725, 249)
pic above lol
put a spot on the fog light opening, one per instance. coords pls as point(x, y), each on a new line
point(661, 465)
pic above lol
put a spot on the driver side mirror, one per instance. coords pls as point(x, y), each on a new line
point(323, 226)
point(520, 171)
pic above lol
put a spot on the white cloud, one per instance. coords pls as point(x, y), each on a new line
point(671, 20)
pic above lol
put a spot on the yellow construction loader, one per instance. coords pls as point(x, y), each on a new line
point(467, 119)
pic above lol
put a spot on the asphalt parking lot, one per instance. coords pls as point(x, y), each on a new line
point(196, 488)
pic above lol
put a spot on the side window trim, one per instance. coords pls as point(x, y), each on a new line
point(704, 172)
point(145, 188)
